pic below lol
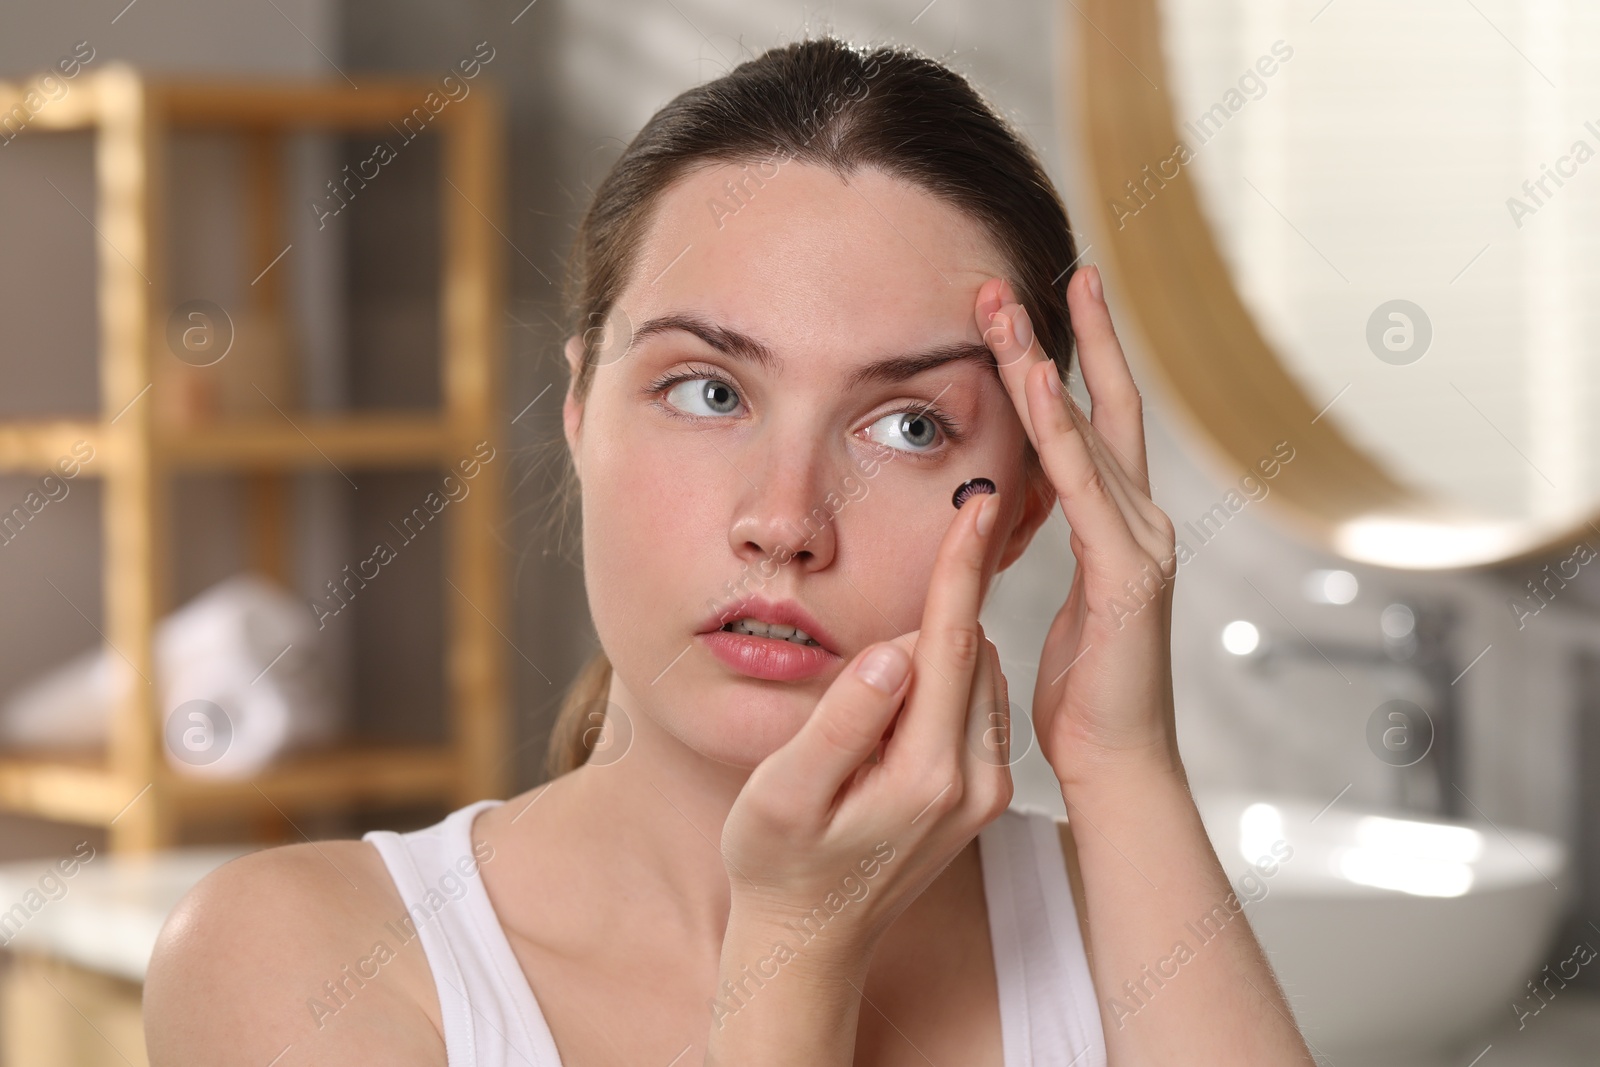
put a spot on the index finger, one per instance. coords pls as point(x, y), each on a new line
point(949, 642)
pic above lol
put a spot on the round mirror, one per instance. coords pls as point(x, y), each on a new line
point(1372, 232)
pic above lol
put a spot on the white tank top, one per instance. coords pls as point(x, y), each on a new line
point(1048, 1013)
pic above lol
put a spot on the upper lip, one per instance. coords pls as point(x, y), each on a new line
point(782, 612)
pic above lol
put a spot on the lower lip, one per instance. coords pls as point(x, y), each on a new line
point(769, 658)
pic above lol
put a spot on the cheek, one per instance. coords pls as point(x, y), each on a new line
point(890, 544)
point(648, 535)
point(887, 543)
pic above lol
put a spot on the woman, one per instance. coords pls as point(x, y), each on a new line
point(825, 292)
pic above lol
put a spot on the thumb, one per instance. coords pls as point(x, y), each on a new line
point(844, 730)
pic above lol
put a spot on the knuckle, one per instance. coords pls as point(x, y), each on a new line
point(1155, 574)
point(950, 792)
point(843, 733)
point(1094, 485)
point(998, 799)
point(1165, 527)
point(963, 643)
point(766, 805)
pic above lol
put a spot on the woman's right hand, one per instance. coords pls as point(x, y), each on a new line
point(829, 844)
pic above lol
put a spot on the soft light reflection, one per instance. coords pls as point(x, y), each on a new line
point(1421, 858)
point(1425, 545)
point(1420, 840)
point(1260, 827)
point(1240, 637)
point(1386, 870)
point(1331, 587)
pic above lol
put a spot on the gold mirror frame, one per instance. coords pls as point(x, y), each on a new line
point(1226, 381)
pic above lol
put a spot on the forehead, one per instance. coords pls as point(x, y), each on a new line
point(803, 257)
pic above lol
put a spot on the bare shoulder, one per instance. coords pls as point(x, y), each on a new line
point(1069, 852)
point(288, 948)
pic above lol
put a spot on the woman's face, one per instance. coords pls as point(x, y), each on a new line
point(797, 478)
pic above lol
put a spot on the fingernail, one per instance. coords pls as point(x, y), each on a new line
point(1021, 328)
point(991, 508)
point(1054, 381)
point(884, 668)
point(1094, 282)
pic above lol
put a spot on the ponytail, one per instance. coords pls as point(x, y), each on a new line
point(569, 736)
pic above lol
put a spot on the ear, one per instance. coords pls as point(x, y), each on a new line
point(572, 407)
point(1039, 502)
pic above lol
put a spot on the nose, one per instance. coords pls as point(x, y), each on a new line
point(785, 514)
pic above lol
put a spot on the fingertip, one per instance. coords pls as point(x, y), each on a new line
point(1085, 309)
point(1080, 278)
point(1003, 335)
point(989, 508)
point(996, 330)
point(991, 294)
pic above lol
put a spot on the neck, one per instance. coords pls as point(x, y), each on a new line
point(652, 809)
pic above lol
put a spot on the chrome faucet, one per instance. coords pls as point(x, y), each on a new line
point(1418, 637)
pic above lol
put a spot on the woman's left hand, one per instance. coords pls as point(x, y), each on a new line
point(1103, 696)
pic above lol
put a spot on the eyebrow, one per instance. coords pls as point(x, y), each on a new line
point(742, 346)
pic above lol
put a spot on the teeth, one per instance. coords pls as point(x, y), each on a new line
point(779, 631)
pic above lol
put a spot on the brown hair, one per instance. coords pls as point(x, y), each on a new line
point(834, 105)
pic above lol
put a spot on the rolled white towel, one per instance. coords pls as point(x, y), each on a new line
point(240, 681)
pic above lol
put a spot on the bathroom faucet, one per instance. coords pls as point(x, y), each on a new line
point(1419, 637)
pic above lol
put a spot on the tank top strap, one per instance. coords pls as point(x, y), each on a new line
point(1049, 1016)
point(491, 1017)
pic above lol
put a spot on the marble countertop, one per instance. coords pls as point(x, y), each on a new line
point(98, 910)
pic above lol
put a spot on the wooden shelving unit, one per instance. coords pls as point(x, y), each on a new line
point(130, 788)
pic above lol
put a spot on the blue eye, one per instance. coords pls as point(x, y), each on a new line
point(909, 431)
point(717, 396)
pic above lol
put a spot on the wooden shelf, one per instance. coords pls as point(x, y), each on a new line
point(138, 449)
point(34, 445)
point(80, 786)
point(379, 440)
point(202, 102)
point(383, 439)
point(316, 777)
point(67, 786)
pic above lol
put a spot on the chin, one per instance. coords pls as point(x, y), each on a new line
point(745, 722)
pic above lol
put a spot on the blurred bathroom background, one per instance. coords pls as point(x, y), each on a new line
point(1291, 659)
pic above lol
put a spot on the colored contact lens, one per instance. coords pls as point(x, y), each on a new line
point(969, 488)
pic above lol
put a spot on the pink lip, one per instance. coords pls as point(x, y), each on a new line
point(782, 612)
point(768, 657)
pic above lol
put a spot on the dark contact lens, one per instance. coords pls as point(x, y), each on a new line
point(969, 488)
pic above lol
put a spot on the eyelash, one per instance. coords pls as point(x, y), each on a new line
point(947, 425)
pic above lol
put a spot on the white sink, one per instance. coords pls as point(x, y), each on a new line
point(1390, 932)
